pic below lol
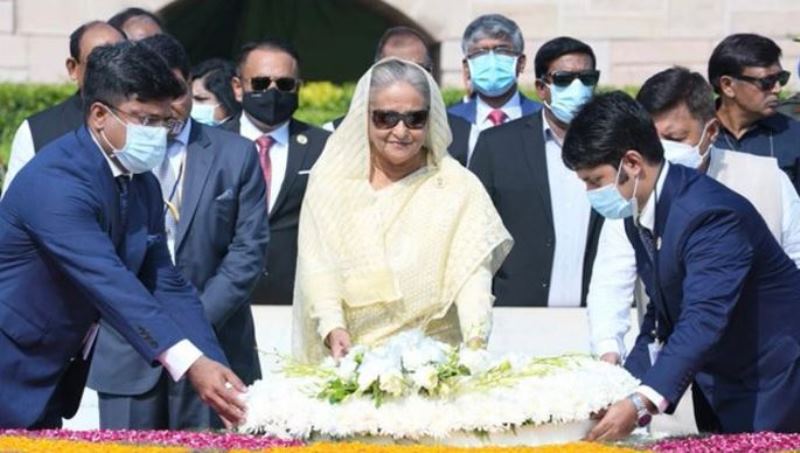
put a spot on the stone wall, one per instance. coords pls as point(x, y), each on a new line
point(632, 38)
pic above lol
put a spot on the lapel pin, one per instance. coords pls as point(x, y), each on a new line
point(658, 243)
point(302, 139)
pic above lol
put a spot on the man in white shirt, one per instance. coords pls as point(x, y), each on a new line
point(682, 108)
point(494, 57)
point(43, 127)
point(540, 200)
point(267, 84)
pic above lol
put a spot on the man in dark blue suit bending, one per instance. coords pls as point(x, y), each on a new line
point(217, 232)
point(82, 238)
point(723, 312)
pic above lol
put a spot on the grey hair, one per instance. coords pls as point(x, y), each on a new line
point(495, 26)
point(390, 72)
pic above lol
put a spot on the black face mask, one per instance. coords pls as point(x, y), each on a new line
point(271, 107)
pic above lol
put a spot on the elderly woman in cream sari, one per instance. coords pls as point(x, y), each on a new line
point(394, 233)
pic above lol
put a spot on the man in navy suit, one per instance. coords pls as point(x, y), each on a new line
point(82, 238)
point(217, 233)
point(723, 311)
point(494, 57)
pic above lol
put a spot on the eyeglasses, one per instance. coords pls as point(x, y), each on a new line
point(499, 50)
point(145, 120)
point(565, 78)
point(388, 119)
point(287, 84)
point(766, 83)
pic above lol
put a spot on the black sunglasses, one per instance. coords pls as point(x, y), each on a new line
point(287, 84)
point(565, 78)
point(387, 119)
point(768, 82)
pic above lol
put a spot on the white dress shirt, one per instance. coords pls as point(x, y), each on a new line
point(512, 108)
point(278, 153)
point(571, 212)
point(22, 151)
point(178, 358)
point(172, 188)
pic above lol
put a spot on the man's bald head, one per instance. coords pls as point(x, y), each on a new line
point(85, 39)
point(405, 43)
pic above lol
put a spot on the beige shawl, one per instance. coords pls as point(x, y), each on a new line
point(440, 214)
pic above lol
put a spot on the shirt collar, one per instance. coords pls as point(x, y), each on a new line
point(483, 109)
point(548, 131)
point(183, 135)
point(115, 170)
point(647, 219)
point(249, 130)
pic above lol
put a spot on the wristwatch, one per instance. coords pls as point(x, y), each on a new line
point(644, 417)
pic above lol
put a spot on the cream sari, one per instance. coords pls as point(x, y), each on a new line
point(419, 253)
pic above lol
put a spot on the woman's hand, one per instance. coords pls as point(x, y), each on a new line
point(338, 340)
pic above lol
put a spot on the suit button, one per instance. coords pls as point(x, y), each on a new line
point(545, 284)
point(549, 243)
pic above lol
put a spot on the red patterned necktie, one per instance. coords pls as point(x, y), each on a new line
point(497, 117)
point(264, 143)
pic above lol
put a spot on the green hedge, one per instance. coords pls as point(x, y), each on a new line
point(320, 102)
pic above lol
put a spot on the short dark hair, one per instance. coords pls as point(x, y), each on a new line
point(77, 35)
point(555, 49)
point(216, 74)
point(277, 44)
point(401, 32)
point(119, 72)
point(118, 20)
point(171, 50)
point(738, 51)
point(674, 86)
point(605, 128)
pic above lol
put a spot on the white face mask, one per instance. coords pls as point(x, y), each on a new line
point(685, 154)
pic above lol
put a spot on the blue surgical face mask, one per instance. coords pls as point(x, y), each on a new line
point(492, 74)
point(204, 113)
point(610, 203)
point(144, 149)
point(565, 102)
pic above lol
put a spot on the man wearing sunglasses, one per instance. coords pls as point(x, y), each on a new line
point(493, 60)
point(267, 85)
point(541, 201)
point(746, 74)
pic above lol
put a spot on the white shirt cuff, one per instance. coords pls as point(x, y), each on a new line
point(658, 401)
point(178, 358)
point(609, 345)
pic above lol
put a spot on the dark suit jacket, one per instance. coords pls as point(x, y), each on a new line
point(56, 121)
point(305, 146)
point(725, 296)
point(220, 247)
point(66, 261)
point(510, 160)
point(468, 110)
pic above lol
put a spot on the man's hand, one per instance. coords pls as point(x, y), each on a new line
point(219, 388)
point(612, 358)
point(339, 342)
point(618, 422)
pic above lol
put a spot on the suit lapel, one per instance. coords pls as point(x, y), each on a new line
point(534, 148)
point(136, 233)
point(199, 158)
point(297, 149)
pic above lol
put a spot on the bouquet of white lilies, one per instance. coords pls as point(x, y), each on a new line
point(413, 387)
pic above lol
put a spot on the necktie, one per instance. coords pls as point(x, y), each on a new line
point(649, 243)
point(497, 117)
point(264, 143)
point(122, 185)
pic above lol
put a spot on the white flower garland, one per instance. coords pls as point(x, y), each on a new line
point(499, 394)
